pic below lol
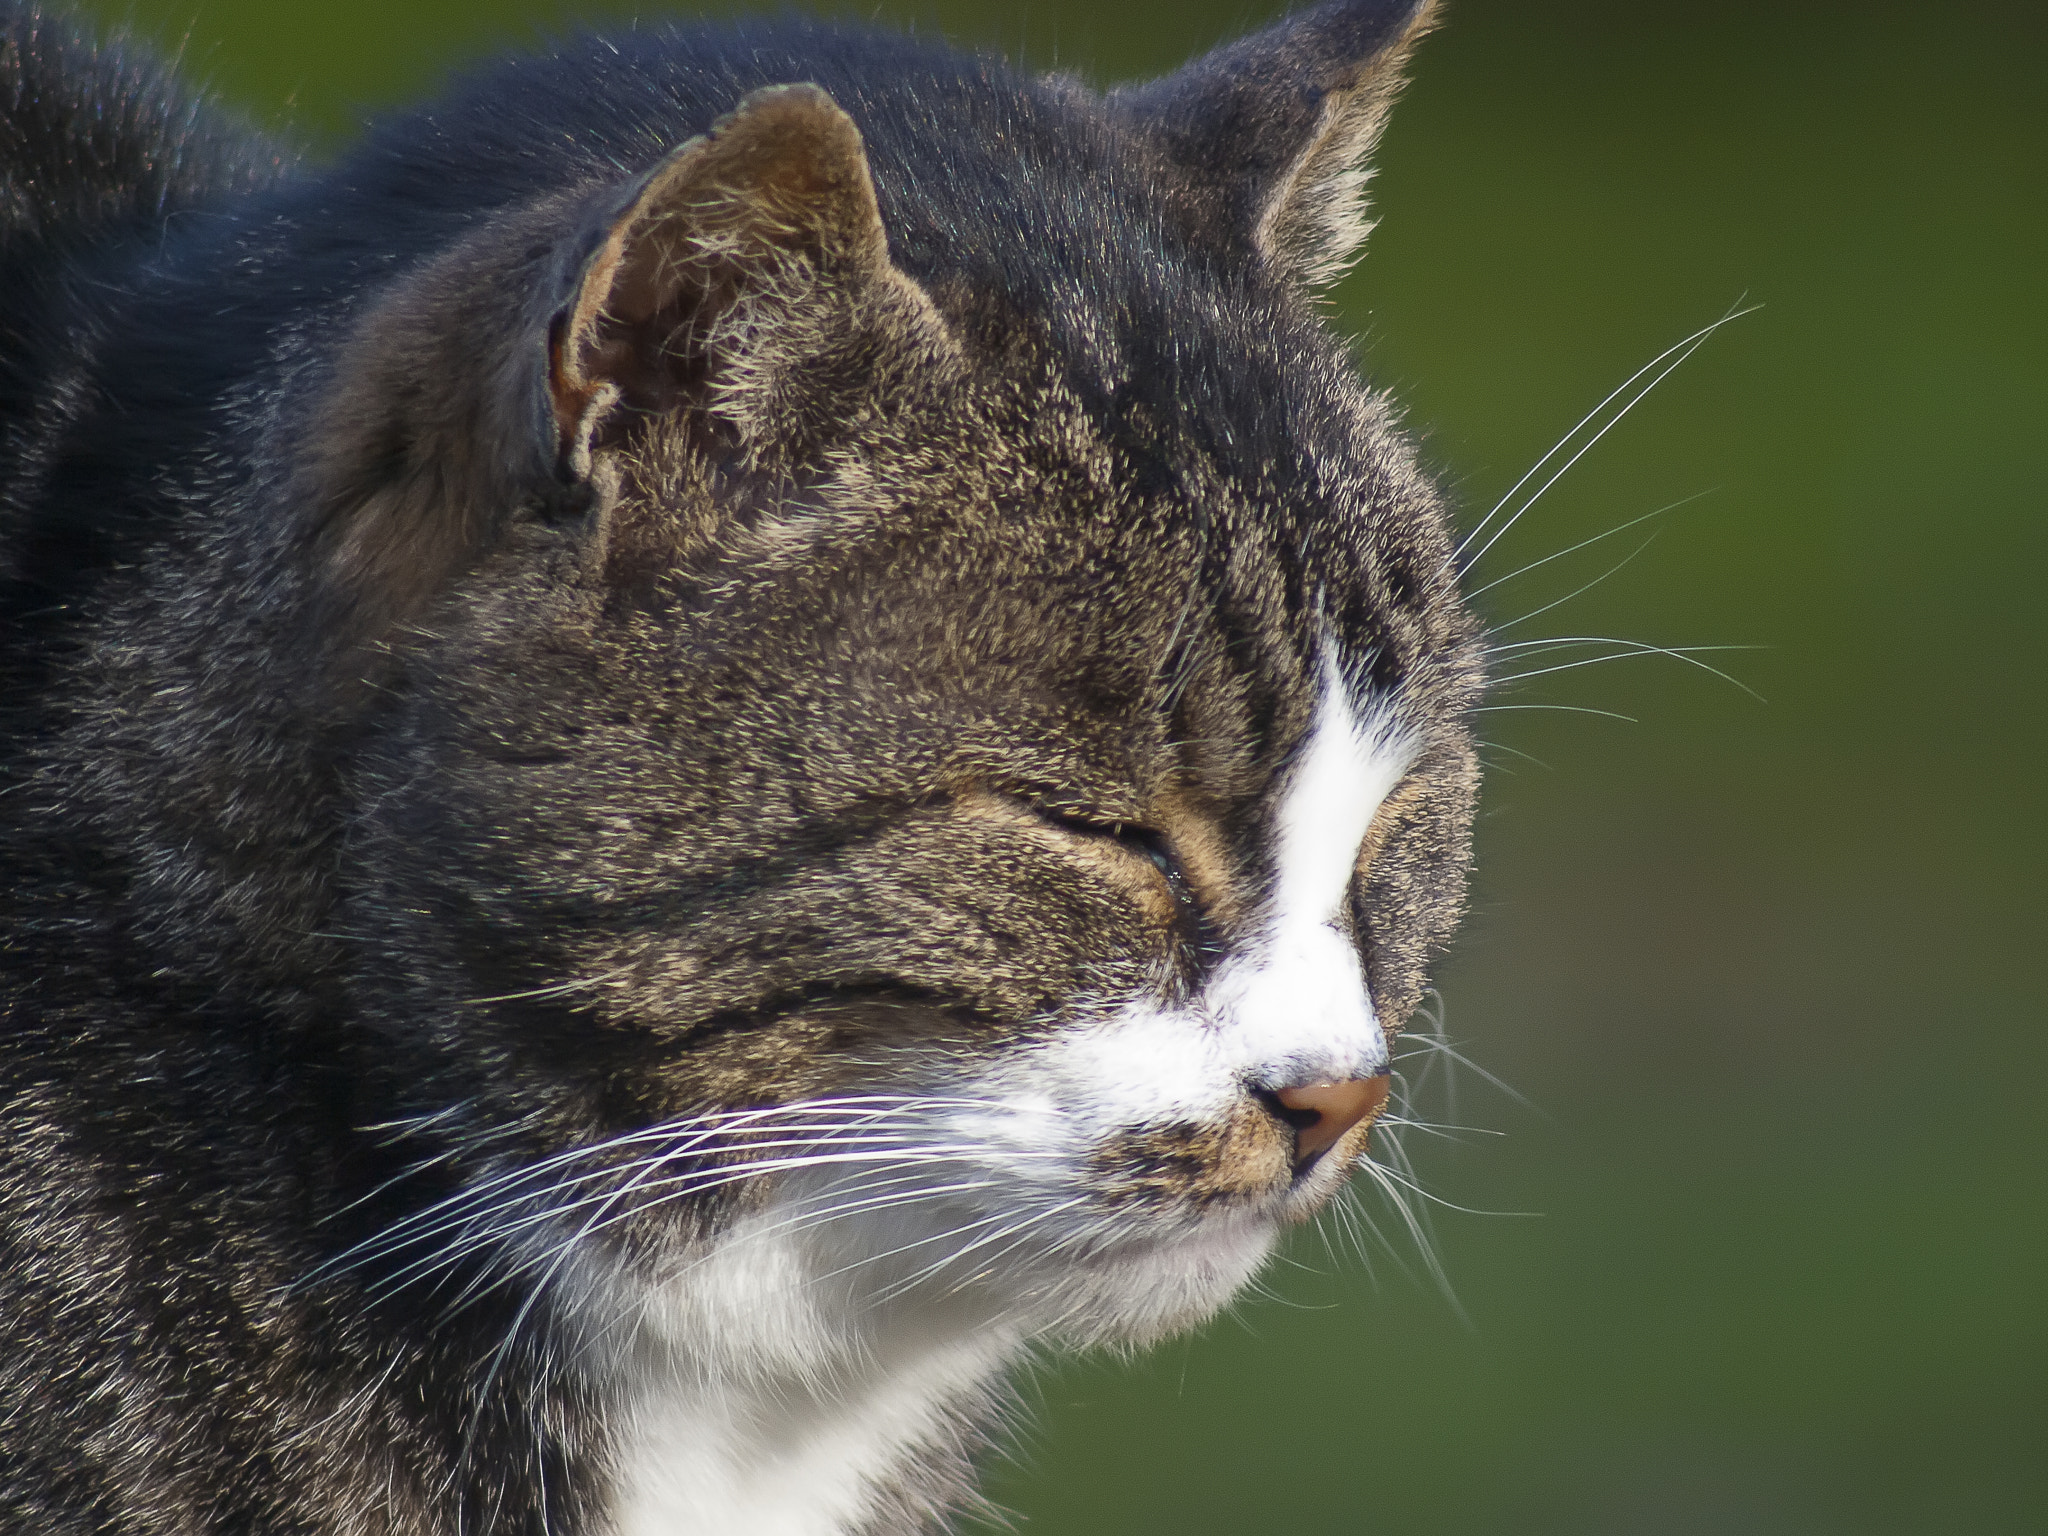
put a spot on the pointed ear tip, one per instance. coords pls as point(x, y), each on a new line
point(788, 93)
point(1424, 17)
point(1372, 30)
point(799, 103)
point(1357, 30)
point(1338, 41)
point(1397, 17)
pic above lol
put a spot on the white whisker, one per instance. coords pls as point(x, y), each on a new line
point(677, 1138)
point(1630, 648)
point(1579, 591)
point(1678, 352)
point(1572, 549)
point(1016, 1232)
point(678, 1186)
point(1418, 1233)
point(1570, 709)
point(558, 989)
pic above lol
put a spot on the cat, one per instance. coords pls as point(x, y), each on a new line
point(725, 733)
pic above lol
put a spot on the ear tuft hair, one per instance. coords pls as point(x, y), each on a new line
point(778, 184)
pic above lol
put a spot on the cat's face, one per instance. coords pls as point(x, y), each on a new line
point(977, 784)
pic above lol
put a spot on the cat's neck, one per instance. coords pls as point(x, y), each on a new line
point(758, 1391)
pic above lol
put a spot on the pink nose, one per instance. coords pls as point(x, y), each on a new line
point(1322, 1112)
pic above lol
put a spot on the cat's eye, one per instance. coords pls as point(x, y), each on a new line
point(1089, 823)
point(1154, 845)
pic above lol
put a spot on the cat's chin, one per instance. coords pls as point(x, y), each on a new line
point(1151, 1283)
point(1109, 1278)
point(764, 1299)
point(1146, 1290)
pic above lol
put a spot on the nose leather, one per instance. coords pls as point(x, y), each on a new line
point(1337, 1107)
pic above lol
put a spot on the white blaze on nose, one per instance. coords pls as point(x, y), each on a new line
point(1289, 1006)
point(1297, 996)
point(1348, 767)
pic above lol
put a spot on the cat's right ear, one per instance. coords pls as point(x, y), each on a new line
point(684, 288)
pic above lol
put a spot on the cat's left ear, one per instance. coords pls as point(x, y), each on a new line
point(740, 290)
point(712, 271)
point(1272, 135)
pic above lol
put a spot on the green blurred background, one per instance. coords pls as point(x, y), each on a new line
point(1769, 974)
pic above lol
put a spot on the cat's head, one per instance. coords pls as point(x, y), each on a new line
point(921, 695)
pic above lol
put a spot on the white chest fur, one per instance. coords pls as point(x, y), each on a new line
point(754, 1394)
point(788, 1458)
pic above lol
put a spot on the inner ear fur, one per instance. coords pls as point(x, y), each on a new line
point(1272, 135)
point(772, 202)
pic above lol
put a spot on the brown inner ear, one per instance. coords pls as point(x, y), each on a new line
point(775, 192)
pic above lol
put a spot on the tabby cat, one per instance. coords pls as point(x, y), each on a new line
point(722, 734)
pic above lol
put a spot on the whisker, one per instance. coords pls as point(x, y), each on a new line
point(1406, 1178)
point(1682, 350)
point(496, 1187)
point(811, 1218)
point(503, 1352)
point(1372, 1243)
point(808, 1217)
point(1441, 1130)
point(1016, 1232)
point(852, 1207)
point(496, 1232)
point(468, 1207)
point(677, 1137)
point(1537, 495)
point(1443, 1048)
point(919, 1276)
point(557, 990)
point(1573, 549)
point(1418, 1233)
point(1570, 709)
point(1620, 565)
point(1631, 648)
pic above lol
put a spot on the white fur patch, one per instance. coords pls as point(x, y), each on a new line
point(814, 1436)
point(1295, 999)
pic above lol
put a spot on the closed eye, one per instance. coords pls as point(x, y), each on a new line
point(1147, 841)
